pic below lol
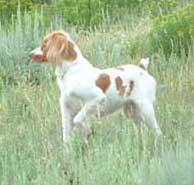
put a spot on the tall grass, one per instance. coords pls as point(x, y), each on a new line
point(31, 148)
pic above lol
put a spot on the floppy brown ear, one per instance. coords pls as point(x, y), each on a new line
point(71, 53)
point(53, 54)
point(60, 47)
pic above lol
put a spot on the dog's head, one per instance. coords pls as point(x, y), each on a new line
point(56, 46)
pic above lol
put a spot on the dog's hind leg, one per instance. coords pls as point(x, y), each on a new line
point(148, 114)
point(131, 110)
point(143, 112)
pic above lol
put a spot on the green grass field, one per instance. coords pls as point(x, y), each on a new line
point(31, 148)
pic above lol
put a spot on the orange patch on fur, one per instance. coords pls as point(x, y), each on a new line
point(131, 86)
point(103, 82)
point(119, 86)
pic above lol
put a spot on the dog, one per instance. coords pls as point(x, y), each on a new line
point(87, 90)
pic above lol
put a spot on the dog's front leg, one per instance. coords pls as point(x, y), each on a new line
point(89, 108)
point(66, 119)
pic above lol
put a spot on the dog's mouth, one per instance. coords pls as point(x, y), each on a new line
point(38, 56)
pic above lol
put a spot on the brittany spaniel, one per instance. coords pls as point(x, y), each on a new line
point(87, 90)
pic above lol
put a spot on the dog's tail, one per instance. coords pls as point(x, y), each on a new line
point(144, 62)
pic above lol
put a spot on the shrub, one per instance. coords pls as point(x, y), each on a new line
point(173, 33)
point(161, 7)
point(9, 8)
point(74, 12)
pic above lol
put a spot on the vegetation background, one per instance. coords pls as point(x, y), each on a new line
point(109, 32)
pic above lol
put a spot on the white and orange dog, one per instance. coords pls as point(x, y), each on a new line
point(87, 90)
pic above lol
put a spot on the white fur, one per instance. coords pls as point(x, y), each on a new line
point(81, 98)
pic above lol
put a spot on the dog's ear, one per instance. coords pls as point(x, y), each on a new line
point(71, 51)
point(60, 47)
point(68, 52)
point(53, 54)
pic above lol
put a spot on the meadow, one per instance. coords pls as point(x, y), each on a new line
point(31, 147)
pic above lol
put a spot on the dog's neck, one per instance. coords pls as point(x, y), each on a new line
point(64, 66)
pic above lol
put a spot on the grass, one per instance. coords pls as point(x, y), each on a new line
point(31, 148)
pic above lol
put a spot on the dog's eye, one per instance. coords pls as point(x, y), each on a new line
point(43, 46)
